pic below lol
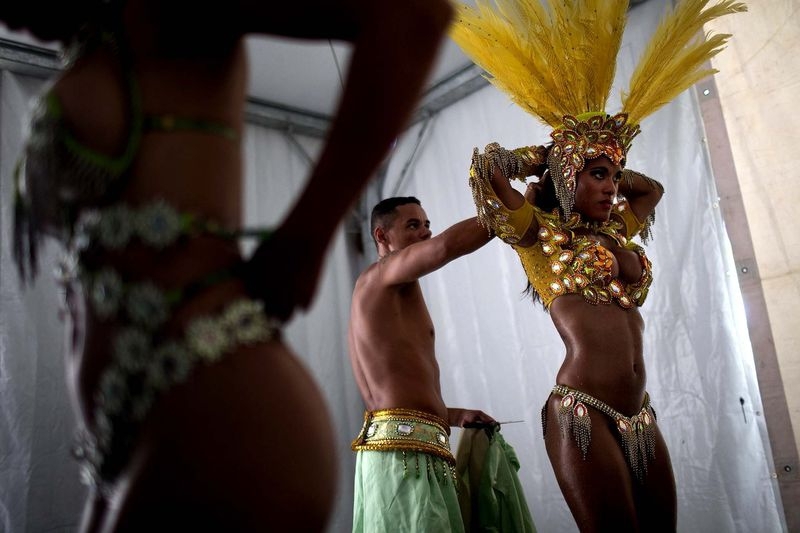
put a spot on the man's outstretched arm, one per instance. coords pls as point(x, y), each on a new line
point(421, 258)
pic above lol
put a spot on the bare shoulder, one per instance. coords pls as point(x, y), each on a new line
point(379, 284)
point(372, 276)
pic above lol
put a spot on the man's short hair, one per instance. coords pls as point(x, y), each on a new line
point(385, 211)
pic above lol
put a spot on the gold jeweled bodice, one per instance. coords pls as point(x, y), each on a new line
point(565, 262)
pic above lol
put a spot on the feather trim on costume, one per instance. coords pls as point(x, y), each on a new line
point(675, 58)
point(552, 61)
point(556, 59)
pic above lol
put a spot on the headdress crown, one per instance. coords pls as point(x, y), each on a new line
point(556, 59)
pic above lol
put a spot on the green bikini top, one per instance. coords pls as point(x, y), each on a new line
point(58, 175)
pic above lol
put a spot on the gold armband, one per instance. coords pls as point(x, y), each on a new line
point(633, 225)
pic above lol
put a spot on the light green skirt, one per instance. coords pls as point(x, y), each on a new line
point(404, 492)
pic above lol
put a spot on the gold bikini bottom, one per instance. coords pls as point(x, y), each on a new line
point(637, 432)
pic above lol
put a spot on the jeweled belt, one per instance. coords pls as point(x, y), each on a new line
point(404, 430)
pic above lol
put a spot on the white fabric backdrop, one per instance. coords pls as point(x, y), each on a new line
point(38, 480)
point(497, 351)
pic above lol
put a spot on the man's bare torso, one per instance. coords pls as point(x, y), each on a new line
point(392, 345)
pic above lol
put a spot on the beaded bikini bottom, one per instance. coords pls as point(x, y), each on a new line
point(637, 432)
point(146, 360)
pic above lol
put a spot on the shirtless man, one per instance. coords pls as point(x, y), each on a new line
point(404, 468)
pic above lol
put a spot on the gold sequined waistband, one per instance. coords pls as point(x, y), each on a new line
point(405, 430)
point(603, 407)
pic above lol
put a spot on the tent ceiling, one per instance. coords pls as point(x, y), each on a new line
point(301, 82)
point(306, 76)
point(294, 85)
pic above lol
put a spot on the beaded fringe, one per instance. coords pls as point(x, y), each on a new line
point(435, 468)
point(637, 432)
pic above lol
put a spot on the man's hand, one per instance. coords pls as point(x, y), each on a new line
point(464, 418)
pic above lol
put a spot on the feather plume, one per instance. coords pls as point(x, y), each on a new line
point(675, 59)
point(551, 60)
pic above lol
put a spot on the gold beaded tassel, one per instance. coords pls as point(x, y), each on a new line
point(647, 437)
point(565, 413)
point(641, 449)
point(637, 433)
point(582, 427)
point(512, 165)
point(480, 175)
point(565, 197)
point(573, 417)
point(428, 466)
point(638, 441)
point(630, 446)
point(650, 440)
point(543, 415)
point(478, 182)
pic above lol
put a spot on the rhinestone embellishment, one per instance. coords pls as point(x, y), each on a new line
point(405, 429)
point(372, 429)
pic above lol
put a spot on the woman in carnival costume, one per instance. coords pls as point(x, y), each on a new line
point(573, 229)
point(195, 415)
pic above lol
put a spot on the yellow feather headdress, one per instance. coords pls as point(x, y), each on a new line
point(557, 59)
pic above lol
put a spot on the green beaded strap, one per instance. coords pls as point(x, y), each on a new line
point(155, 223)
point(170, 123)
point(114, 166)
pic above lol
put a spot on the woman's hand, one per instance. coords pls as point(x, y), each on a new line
point(283, 273)
point(535, 187)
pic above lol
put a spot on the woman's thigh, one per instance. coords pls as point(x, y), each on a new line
point(598, 489)
point(656, 498)
point(245, 444)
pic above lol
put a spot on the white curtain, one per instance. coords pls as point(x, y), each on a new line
point(500, 353)
point(39, 490)
point(497, 351)
point(276, 170)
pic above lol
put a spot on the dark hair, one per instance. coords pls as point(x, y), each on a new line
point(546, 199)
point(385, 211)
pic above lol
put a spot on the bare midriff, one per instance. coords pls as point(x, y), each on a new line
point(603, 351)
